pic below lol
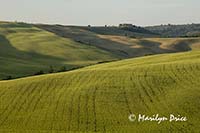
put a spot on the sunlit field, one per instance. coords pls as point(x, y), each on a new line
point(100, 98)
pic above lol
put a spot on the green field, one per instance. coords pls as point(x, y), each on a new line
point(100, 98)
point(26, 49)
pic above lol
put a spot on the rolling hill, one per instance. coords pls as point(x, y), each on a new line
point(29, 49)
point(26, 49)
point(100, 98)
point(113, 40)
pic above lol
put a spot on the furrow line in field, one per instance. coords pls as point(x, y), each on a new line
point(12, 100)
point(180, 82)
point(13, 103)
point(163, 81)
point(198, 66)
point(87, 102)
point(163, 71)
point(60, 94)
point(140, 90)
point(187, 71)
point(30, 92)
point(46, 97)
point(126, 101)
point(143, 101)
point(35, 99)
point(106, 79)
point(88, 81)
point(87, 112)
point(3, 91)
point(70, 109)
point(173, 68)
point(22, 102)
point(2, 95)
point(53, 96)
point(63, 103)
point(192, 73)
point(152, 87)
point(115, 88)
point(94, 108)
point(109, 107)
point(146, 81)
point(76, 87)
point(143, 87)
point(78, 113)
point(146, 92)
point(52, 93)
point(64, 95)
point(92, 82)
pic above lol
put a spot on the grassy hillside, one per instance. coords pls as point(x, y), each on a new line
point(100, 98)
point(113, 40)
point(26, 49)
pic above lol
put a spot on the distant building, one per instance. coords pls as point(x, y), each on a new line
point(126, 25)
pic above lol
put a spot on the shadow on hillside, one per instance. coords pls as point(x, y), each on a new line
point(7, 47)
point(25, 60)
point(153, 47)
point(80, 35)
point(184, 45)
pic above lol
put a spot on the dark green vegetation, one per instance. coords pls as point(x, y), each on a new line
point(100, 98)
point(189, 30)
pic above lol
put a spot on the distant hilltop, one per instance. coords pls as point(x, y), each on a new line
point(170, 30)
point(135, 31)
point(126, 25)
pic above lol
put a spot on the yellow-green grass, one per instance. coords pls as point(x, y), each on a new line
point(100, 98)
point(25, 50)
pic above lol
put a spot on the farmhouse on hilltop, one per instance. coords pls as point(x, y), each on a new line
point(126, 25)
